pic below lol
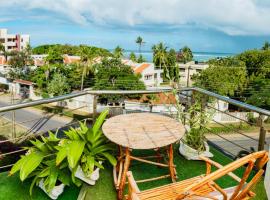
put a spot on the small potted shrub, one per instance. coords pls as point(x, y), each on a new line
point(194, 143)
point(85, 149)
point(39, 164)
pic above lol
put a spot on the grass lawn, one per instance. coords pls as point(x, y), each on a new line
point(104, 189)
point(12, 188)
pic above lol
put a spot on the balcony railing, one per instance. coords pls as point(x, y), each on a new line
point(28, 120)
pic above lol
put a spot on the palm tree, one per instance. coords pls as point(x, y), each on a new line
point(266, 46)
point(186, 54)
point(159, 54)
point(86, 62)
point(118, 52)
point(140, 42)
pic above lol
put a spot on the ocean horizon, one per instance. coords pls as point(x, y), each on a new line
point(197, 56)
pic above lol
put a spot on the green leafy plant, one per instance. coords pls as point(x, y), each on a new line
point(39, 163)
point(86, 147)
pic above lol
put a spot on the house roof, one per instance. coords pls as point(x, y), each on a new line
point(161, 98)
point(24, 82)
point(142, 67)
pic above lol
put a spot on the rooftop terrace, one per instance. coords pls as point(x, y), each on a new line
point(241, 135)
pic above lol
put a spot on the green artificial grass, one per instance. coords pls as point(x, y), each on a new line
point(11, 188)
point(104, 189)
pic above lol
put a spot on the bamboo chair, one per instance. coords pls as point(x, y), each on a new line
point(204, 186)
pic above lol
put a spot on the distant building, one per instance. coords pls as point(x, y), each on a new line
point(151, 76)
point(13, 41)
point(186, 70)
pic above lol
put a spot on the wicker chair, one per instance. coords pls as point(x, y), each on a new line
point(204, 186)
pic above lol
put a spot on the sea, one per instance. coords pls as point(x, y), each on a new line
point(197, 56)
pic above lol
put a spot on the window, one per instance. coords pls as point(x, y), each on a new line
point(155, 76)
point(182, 70)
point(22, 40)
point(148, 77)
point(198, 70)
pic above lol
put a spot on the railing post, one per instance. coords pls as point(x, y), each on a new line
point(262, 133)
point(94, 108)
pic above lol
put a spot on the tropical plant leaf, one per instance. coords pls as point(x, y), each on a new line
point(40, 145)
point(100, 121)
point(90, 163)
point(32, 185)
point(75, 150)
point(99, 165)
point(101, 148)
point(31, 162)
point(64, 176)
point(45, 172)
point(17, 166)
point(61, 155)
point(52, 178)
point(110, 158)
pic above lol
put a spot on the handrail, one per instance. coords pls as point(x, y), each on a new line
point(102, 92)
point(76, 94)
point(231, 101)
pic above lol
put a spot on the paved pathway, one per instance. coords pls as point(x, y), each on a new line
point(241, 142)
point(33, 119)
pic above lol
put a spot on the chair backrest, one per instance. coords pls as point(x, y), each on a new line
point(258, 159)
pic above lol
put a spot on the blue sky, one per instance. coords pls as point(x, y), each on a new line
point(205, 25)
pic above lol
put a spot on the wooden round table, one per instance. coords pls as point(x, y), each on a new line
point(141, 131)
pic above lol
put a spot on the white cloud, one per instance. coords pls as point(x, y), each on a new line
point(234, 17)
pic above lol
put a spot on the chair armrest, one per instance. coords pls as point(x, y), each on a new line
point(219, 166)
point(132, 183)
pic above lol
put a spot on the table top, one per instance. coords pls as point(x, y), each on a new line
point(143, 130)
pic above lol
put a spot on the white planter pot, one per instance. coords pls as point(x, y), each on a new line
point(91, 180)
point(192, 154)
point(56, 191)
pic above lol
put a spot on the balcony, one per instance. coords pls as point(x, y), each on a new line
point(230, 135)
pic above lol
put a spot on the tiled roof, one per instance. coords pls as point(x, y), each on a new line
point(23, 82)
point(142, 67)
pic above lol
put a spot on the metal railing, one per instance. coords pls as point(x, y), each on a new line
point(217, 139)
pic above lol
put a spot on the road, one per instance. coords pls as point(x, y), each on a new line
point(35, 120)
point(234, 143)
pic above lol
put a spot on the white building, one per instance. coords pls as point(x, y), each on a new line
point(186, 70)
point(151, 76)
point(13, 41)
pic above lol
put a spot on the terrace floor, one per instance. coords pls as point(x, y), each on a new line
point(12, 188)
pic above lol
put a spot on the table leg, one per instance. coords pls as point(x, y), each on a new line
point(171, 164)
point(124, 174)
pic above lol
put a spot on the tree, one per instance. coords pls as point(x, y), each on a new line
point(19, 63)
point(224, 79)
point(58, 85)
point(140, 42)
point(259, 92)
point(118, 52)
point(141, 59)
point(54, 56)
point(257, 62)
point(185, 55)
point(266, 46)
point(86, 63)
point(159, 54)
point(132, 57)
point(113, 75)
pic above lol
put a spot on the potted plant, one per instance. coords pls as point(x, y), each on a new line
point(85, 150)
point(194, 143)
point(39, 164)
